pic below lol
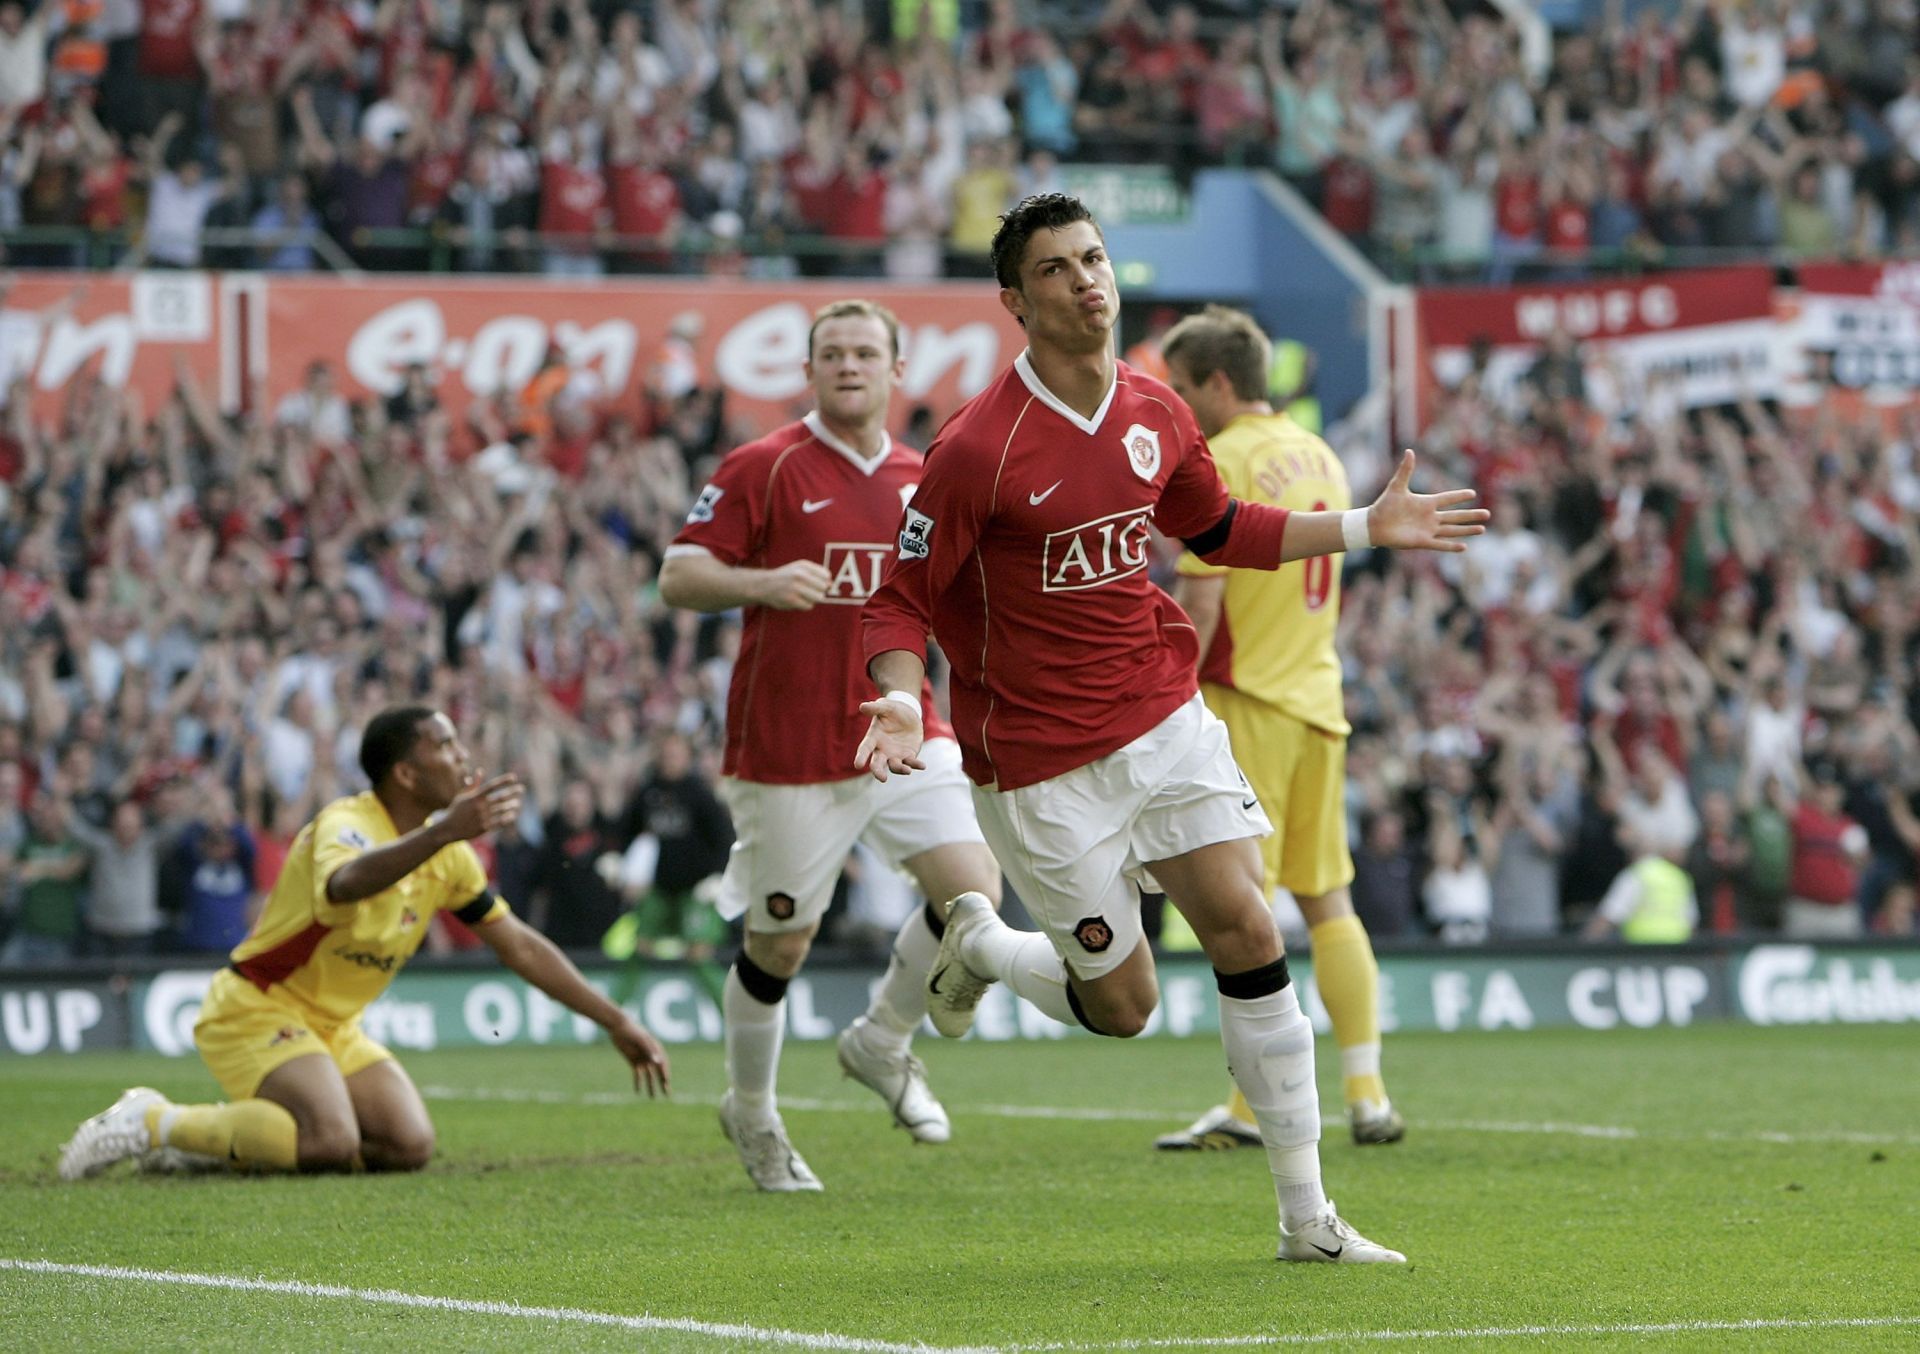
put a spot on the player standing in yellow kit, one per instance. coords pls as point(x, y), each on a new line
point(1269, 671)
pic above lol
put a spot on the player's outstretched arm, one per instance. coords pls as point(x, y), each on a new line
point(892, 742)
point(701, 582)
point(479, 809)
point(540, 962)
point(1397, 520)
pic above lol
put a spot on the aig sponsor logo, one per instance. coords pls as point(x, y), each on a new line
point(1096, 553)
point(854, 568)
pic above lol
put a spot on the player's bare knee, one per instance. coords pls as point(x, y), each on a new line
point(779, 953)
point(408, 1151)
point(1246, 941)
point(1120, 1014)
point(1128, 1022)
point(328, 1146)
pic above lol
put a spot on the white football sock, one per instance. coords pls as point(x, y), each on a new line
point(900, 1001)
point(754, 1031)
point(1026, 962)
point(1269, 1045)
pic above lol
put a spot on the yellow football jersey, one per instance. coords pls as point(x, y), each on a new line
point(1275, 640)
point(333, 959)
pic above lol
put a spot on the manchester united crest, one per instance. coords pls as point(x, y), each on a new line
point(1094, 934)
point(1143, 451)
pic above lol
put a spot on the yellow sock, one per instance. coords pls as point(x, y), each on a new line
point(1349, 981)
point(248, 1133)
point(1239, 1108)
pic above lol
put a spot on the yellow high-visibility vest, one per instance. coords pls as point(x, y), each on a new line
point(1664, 916)
point(1285, 374)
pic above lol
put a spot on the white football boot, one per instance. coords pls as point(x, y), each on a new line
point(953, 989)
point(898, 1078)
point(117, 1133)
point(173, 1161)
point(771, 1162)
point(1330, 1240)
point(1215, 1130)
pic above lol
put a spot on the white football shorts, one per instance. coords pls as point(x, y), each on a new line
point(791, 841)
point(1076, 847)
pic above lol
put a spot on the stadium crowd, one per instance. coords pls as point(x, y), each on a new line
point(1690, 638)
point(775, 135)
point(1687, 637)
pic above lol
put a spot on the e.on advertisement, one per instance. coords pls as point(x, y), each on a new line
point(479, 337)
point(129, 330)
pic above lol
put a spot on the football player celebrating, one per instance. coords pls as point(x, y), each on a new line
point(1096, 766)
point(796, 528)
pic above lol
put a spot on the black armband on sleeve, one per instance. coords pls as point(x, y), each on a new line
point(1216, 535)
point(476, 911)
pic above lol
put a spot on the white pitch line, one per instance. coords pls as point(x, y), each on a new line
point(1095, 1114)
point(721, 1330)
point(1482, 1333)
point(856, 1345)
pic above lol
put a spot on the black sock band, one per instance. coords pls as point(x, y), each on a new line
point(1260, 982)
point(762, 986)
point(1080, 1012)
point(935, 923)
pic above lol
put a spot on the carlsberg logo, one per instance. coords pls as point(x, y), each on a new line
point(1778, 986)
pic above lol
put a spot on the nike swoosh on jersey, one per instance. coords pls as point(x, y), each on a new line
point(1043, 496)
point(813, 505)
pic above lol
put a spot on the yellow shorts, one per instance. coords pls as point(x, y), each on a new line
point(243, 1034)
point(1299, 773)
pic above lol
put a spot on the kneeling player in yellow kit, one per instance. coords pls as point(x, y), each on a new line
point(280, 1027)
point(1269, 670)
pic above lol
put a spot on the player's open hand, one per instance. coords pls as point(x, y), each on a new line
point(485, 807)
point(893, 740)
point(645, 1055)
point(1403, 520)
point(795, 586)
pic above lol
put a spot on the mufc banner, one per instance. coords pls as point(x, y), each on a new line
point(1865, 317)
point(479, 337)
point(1701, 338)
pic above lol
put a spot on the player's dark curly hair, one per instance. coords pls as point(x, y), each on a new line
point(1042, 211)
point(389, 737)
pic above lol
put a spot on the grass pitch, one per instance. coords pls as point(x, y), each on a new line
point(1704, 1188)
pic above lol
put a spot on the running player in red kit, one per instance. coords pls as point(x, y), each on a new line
point(1096, 766)
point(796, 529)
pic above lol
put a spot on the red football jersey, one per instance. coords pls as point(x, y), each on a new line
point(793, 712)
point(165, 50)
point(1025, 552)
point(644, 200)
point(572, 200)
